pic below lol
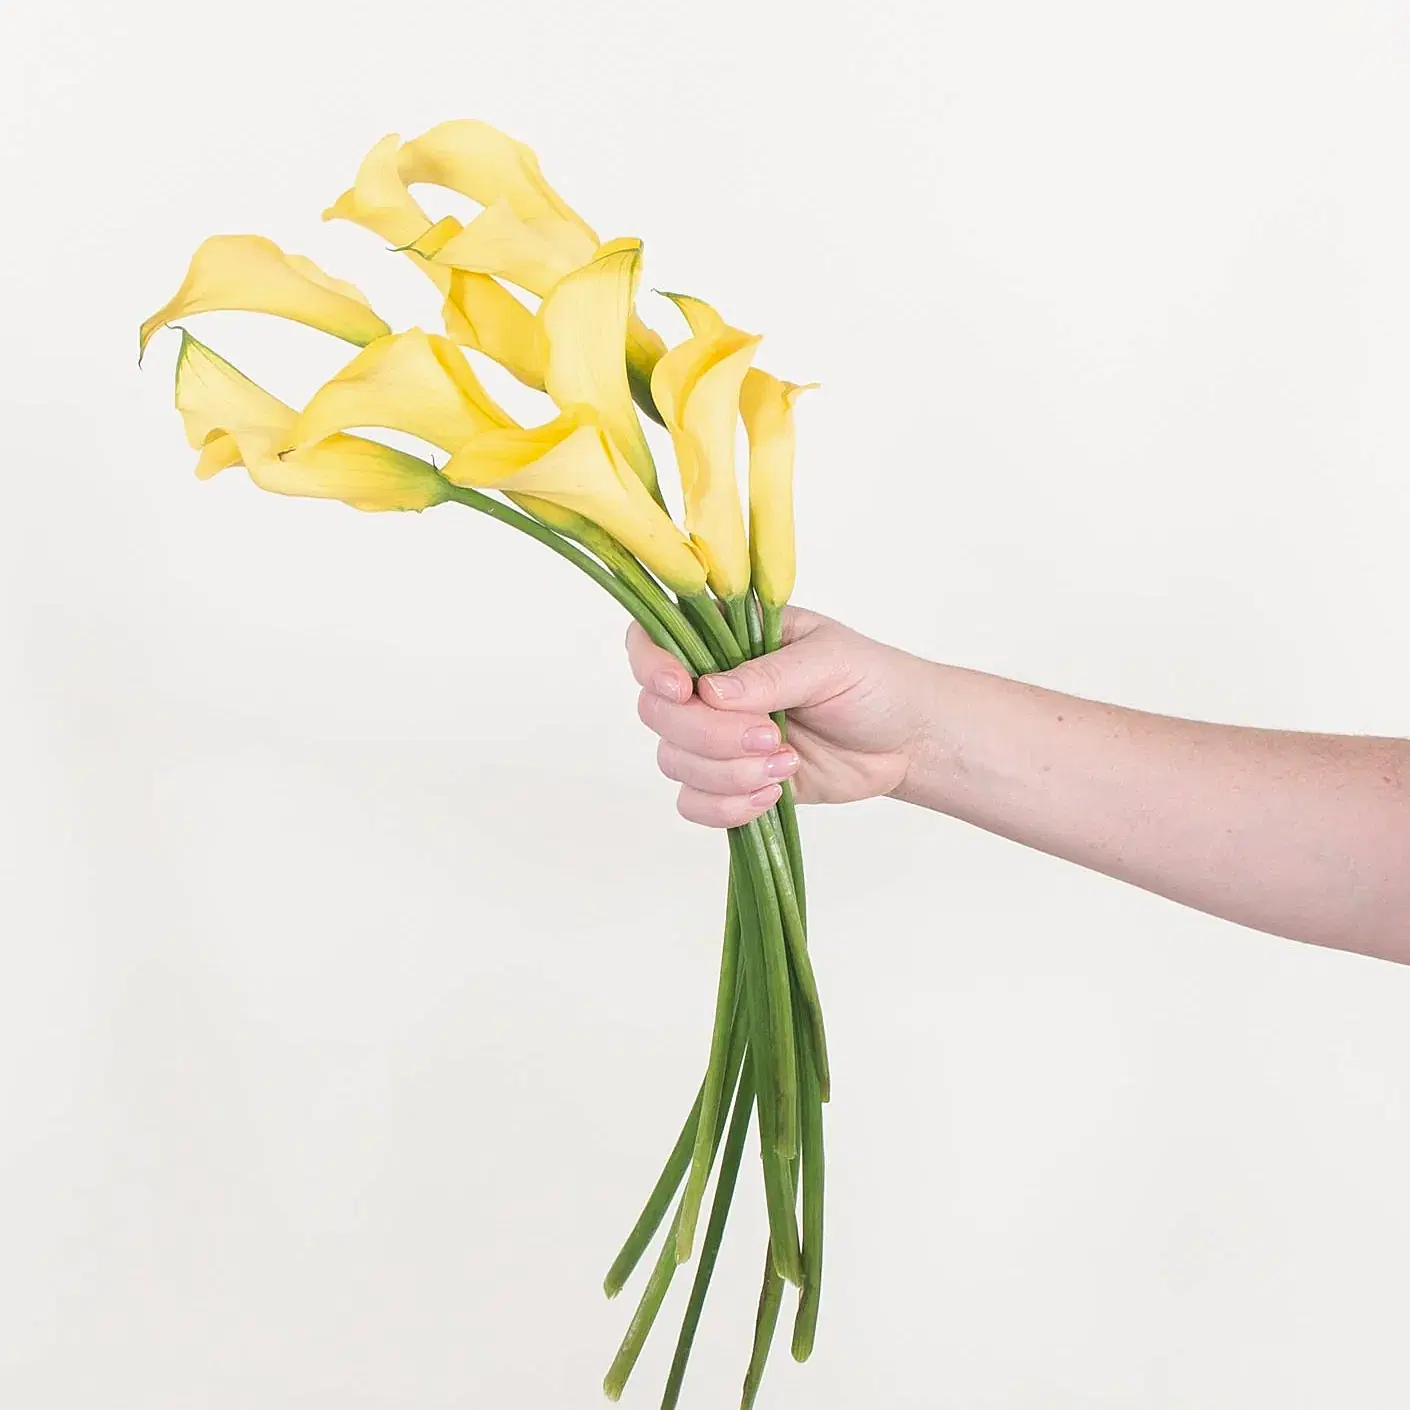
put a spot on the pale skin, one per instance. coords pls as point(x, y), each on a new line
point(1302, 835)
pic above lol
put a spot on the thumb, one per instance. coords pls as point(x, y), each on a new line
point(805, 672)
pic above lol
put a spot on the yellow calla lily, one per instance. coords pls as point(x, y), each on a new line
point(415, 382)
point(478, 311)
point(527, 233)
point(233, 421)
point(250, 273)
point(584, 321)
point(485, 164)
point(696, 387)
point(573, 463)
point(534, 254)
point(766, 404)
point(379, 201)
point(481, 313)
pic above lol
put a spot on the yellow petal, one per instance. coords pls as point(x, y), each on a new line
point(696, 387)
point(584, 321)
point(573, 463)
point(415, 382)
point(480, 162)
point(481, 313)
point(226, 413)
point(702, 320)
point(645, 348)
point(212, 397)
point(483, 163)
point(766, 404)
point(251, 273)
point(379, 201)
point(525, 252)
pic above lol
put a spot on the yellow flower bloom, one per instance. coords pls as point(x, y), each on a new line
point(250, 273)
point(232, 421)
point(526, 234)
point(696, 387)
point(379, 201)
point(478, 311)
point(584, 321)
point(573, 463)
point(481, 313)
point(534, 254)
point(766, 404)
point(415, 382)
point(483, 163)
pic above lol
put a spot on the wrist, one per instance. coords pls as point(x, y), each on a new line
point(931, 771)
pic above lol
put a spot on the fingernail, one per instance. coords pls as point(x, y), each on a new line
point(667, 685)
point(766, 797)
point(727, 687)
point(761, 739)
point(782, 764)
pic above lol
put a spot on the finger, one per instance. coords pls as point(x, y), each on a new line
point(805, 672)
point(698, 729)
point(717, 810)
point(656, 669)
point(724, 775)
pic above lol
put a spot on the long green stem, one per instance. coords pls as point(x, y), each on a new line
point(775, 977)
point(603, 577)
point(714, 1234)
point(783, 1228)
point(796, 936)
point(658, 601)
point(660, 1281)
point(726, 999)
point(805, 1323)
point(657, 1202)
point(765, 1322)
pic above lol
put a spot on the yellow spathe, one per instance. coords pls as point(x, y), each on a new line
point(696, 388)
point(584, 321)
point(252, 274)
point(573, 463)
point(415, 382)
point(233, 421)
point(766, 404)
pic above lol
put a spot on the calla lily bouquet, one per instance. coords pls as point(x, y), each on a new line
point(583, 483)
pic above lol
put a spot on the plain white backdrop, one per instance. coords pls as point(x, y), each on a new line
point(356, 969)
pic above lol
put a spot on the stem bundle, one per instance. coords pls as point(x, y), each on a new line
point(768, 1049)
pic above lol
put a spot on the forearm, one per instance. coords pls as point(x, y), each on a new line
point(1306, 836)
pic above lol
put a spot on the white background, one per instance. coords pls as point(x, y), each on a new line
point(356, 969)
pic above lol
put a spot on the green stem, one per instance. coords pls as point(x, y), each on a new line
point(649, 1220)
point(796, 936)
point(755, 624)
point(701, 659)
point(726, 1000)
point(805, 1323)
point(765, 1323)
point(783, 1227)
point(787, 804)
point(705, 613)
point(660, 1281)
point(603, 577)
point(737, 614)
point(775, 976)
point(714, 1234)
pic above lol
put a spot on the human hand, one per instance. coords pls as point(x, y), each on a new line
point(855, 707)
